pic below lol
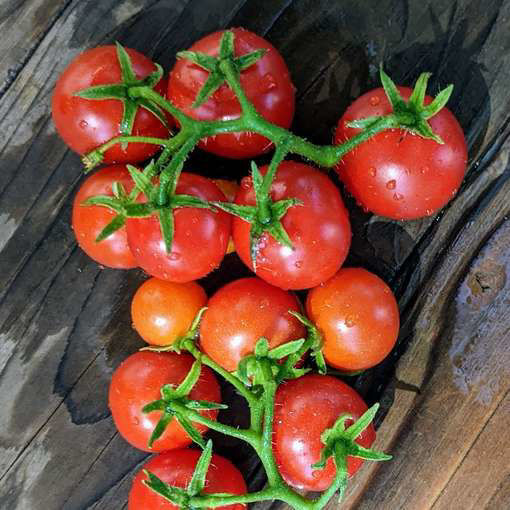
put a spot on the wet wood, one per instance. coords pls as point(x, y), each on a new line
point(64, 322)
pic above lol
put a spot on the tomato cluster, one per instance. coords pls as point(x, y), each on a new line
point(351, 311)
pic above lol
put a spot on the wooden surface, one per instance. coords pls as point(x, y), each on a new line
point(64, 322)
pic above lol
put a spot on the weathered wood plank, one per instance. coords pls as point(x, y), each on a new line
point(472, 487)
point(23, 25)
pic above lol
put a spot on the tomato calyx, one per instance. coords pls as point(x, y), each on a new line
point(339, 443)
point(411, 115)
point(216, 65)
point(121, 91)
point(176, 495)
point(265, 216)
point(173, 404)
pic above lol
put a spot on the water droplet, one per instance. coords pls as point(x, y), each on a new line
point(398, 196)
point(268, 82)
point(83, 124)
point(372, 171)
point(246, 182)
point(264, 303)
point(374, 100)
point(424, 169)
point(174, 256)
point(391, 184)
point(429, 212)
point(407, 171)
point(136, 421)
point(298, 263)
point(349, 321)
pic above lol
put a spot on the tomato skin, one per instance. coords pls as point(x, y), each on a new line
point(358, 317)
point(240, 313)
point(89, 221)
point(163, 311)
point(397, 174)
point(320, 225)
point(229, 189)
point(137, 382)
point(85, 124)
point(176, 468)
point(200, 237)
point(267, 85)
point(304, 408)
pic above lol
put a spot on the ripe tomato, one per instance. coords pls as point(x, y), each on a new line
point(200, 236)
point(85, 124)
point(243, 311)
point(229, 189)
point(304, 409)
point(319, 229)
point(163, 311)
point(137, 382)
point(89, 221)
point(267, 85)
point(396, 174)
point(176, 468)
point(358, 317)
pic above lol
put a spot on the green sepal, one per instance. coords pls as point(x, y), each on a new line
point(411, 115)
point(190, 430)
point(160, 427)
point(167, 223)
point(142, 182)
point(99, 92)
point(227, 45)
point(103, 201)
point(315, 339)
point(202, 60)
point(190, 380)
point(175, 495)
point(126, 67)
point(245, 61)
point(197, 482)
point(339, 441)
point(183, 200)
point(117, 223)
point(211, 85)
point(286, 349)
point(245, 212)
point(128, 119)
point(203, 405)
point(139, 210)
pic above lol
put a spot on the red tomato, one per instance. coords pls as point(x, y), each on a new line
point(137, 382)
point(243, 311)
point(163, 311)
point(267, 85)
point(397, 174)
point(319, 229)
point(200, 237)
point(176, 468)
point(358, 317)
point(304, 409)
point(85, 124)
point(89, 221)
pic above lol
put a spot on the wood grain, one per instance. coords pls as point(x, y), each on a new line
point(64, 322)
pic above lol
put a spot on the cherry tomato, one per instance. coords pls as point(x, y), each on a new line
point(304, 409)
point(163, 311)
point(137, 382)
point(176, 469)
point(267, 85)
point(243, 311)
point(200, 236)
point(85, 124)
point(229, 189)
point(319, 229)
point(358, 316)
point(397, 174)
point(89, 221)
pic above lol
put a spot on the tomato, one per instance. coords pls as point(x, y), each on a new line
point(304, 409)
point(89, 221)
point(319, 229)
point(137, 382)
point(163, 311)
point(85, 124)
point(358, 317)
point(243, 311)
point(229, 189)
point(267, 85)
point(176, 468)
point(200, 237)
point(397, 174)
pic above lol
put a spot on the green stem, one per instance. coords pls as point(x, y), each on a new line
point(243, 390)
point(340, 482)
point(232, 77)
